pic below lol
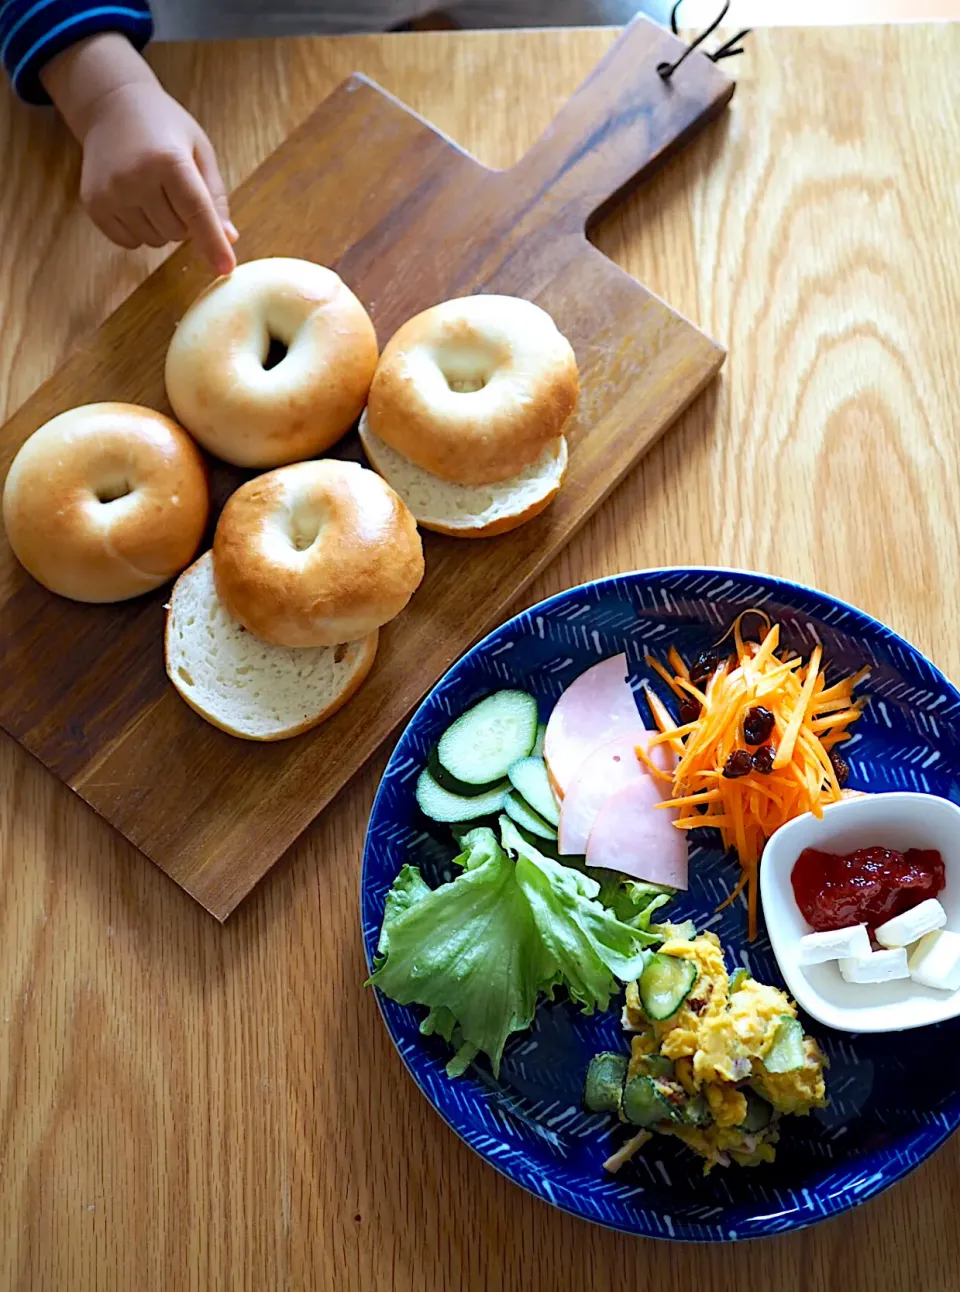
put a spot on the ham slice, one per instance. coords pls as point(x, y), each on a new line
point(595, 709)
point(633, 835)
point(604, 772)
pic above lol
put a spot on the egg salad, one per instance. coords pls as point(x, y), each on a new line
point(715, 1060)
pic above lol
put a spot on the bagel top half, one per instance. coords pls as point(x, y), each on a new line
point(473, 390)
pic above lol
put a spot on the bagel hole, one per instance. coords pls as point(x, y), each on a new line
point(466, 368)
point(111, 490)
point(305, 526)
point(276, 353)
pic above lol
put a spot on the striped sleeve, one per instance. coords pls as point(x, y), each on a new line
point(33, 31)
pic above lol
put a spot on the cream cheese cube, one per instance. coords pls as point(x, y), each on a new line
point(878, 966)
point(835, 944)
point(935, 961)
point(903, 930)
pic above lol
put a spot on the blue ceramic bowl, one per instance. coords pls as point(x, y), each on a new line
point(894, 1098)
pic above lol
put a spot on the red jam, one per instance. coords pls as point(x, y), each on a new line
point(869, 886)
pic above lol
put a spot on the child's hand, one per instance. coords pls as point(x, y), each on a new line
point(149, 174)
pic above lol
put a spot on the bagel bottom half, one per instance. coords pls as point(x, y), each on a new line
point(247, 687)
point(469, 511)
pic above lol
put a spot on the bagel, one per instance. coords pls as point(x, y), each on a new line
point(316, 554)
point(245, 686)
point(469, 511)
point(473, 390)
point(106, 502)
point(272, 363)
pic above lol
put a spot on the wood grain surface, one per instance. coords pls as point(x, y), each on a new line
point(185, 1105)
point(408, 220)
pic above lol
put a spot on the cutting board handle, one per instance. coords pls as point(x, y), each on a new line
point(623, 122)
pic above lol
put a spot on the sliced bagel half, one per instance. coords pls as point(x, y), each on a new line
point(245, 686)
point(469, 511)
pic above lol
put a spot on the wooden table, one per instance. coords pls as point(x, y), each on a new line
point(184, 1105)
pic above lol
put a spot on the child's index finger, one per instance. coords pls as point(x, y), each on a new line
point(191, 199)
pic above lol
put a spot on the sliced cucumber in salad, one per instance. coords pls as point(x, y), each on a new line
point(440, 805)
point(696, 1111)
point(603, 1087)
point(759, 1113)
point(665, 984)
point(785, 1052)
point(523, 814)
point(529, 778)
point(484, 743)
point(537, 749)
point(644, 1103)
point(656, 1065)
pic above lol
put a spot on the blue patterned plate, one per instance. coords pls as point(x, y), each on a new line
point(893, 1100)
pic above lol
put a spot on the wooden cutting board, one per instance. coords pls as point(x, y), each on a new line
point(407, 219)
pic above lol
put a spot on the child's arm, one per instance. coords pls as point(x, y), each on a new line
point(149, 172)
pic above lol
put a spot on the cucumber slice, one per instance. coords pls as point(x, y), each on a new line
point(696, 1111)
point(440, 805)
point(785, 1052)
point(643, 1104)
point(665, 984)
point(537, 750)
point(656, 1065)
point(759, 1113)
point(603, 1087)
point(452, 785)
point(738, 978)
point(523, 814)
point(529, 778)
point(488, 739)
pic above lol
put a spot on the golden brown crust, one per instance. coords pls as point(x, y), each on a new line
point(106, 502)
point(315, 554)
point(252, 416)
point(503, 525)
point(483, 436)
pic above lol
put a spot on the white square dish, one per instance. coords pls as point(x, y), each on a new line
point(899, 821)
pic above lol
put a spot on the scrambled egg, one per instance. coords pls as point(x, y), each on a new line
point(717, 1040)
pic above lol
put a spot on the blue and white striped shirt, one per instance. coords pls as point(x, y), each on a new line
point(33, 31)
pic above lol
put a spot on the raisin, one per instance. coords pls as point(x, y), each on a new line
point(699, 1003)
point(738, 764)
point(841, 768)
point(763, 760)
point(689, 710)
point(701, 668)
point(757, 725)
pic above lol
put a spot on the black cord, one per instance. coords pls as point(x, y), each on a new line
point(728, 49)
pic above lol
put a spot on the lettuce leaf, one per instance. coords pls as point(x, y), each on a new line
point(408, 887)
point(633, 901)
point(469, 947)
point(636, 901)
point(589, 945)
point(480, 950)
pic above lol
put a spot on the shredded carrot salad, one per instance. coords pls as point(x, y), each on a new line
point(809, 720)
